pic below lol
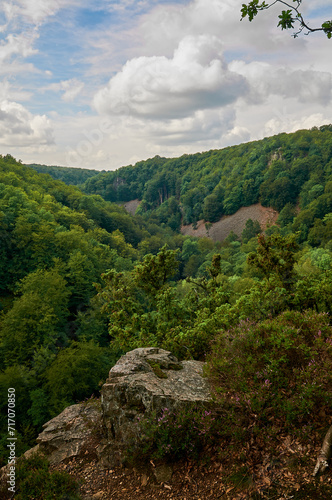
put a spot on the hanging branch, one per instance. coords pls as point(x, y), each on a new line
point(288, 18)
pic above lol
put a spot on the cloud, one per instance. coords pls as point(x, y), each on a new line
point(274, 125)
point(201, 126)
point(19, 128)
point(158, 87)
point(18, 44)
point(304, 85)
point(71, 89)
point(33, 11)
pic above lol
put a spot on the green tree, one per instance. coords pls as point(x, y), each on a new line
point(76, 373)
point(37, 318)
point(252, 229)
point(156, 270)
point(276, 257)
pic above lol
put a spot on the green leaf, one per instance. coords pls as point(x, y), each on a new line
point(286, 20)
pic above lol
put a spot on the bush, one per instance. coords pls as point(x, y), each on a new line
point(277, 370)
point(174, 434)
point(34, 481)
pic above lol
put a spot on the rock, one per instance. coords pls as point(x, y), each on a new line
point(143, 382)
point(163, 473)
point(71, 433)
point(134, 388)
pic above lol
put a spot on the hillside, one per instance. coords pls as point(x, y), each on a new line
point(218, 231)
point(280, 172)
point(68, 175)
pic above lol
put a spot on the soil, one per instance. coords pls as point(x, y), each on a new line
point(286, 474)
point(131, 206)
point(222, 228)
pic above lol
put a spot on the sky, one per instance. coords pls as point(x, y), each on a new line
point(103, 84)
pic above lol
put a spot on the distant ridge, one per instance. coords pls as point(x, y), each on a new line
point(69, 175)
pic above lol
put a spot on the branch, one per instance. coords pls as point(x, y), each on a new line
point(287, 18)
point(324, 454)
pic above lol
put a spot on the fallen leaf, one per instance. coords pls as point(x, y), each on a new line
point(144, 480)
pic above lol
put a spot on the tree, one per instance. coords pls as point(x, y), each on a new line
point(252, 229)
point(275, 257)
point(288, 19)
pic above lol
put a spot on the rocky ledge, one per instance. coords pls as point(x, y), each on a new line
point(143, 382)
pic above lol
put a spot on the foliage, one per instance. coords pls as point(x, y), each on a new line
point(175, 434)
point(82, 281)
point(78, 371)
point(69, 175)
point(277, 171)
point(55, 242)
point(252, 229)
point(288, 18)
point(34, 481)
point(275, 256)
point(276, 369)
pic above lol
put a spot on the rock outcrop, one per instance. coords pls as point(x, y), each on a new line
point(75, 432)
point(143, 382)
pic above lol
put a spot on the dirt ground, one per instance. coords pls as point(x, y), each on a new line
point(284, 476)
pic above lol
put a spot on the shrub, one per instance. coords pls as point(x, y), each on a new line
point(278, 370)
point(174, 434)
point(34, 481)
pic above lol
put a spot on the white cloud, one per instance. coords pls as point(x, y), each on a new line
point(293, 124)
point(18, 127)
point(34, 11)
point(305, 85)
point(70, 88)
point(183, 76)
point(201, 126)
point(18, 44)
point(158, 87)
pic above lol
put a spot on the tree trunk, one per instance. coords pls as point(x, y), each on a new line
point(324, 454)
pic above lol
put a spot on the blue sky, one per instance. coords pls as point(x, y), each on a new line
point(108, 83)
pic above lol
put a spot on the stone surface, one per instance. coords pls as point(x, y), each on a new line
point(70, 433)
point(133, 389)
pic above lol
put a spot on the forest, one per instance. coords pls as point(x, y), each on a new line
point(82, 282)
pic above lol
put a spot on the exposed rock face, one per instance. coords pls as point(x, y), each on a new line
point(71, 433)
point(143, 381)
point(135, 388)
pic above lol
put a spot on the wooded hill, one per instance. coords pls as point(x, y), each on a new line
point(69, 175)
point(279, 172)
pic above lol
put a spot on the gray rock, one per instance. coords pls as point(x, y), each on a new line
point(133, 389)
point(71, 433)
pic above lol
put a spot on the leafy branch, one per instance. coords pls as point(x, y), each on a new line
point(288, 19)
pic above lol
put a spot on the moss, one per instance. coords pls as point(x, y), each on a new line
point(157, 369)
point(175, 366)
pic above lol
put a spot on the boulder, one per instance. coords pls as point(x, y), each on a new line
point(145, 381)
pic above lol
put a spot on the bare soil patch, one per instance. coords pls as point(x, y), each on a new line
point(222, 228)
point(131, 206)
